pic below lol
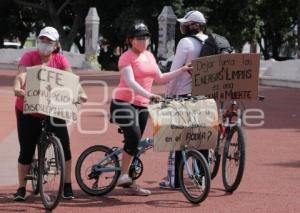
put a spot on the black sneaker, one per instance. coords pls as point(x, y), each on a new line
point(20, 194)
point(68, 192)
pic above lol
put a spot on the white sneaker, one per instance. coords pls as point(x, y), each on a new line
point(124, 180)
point(137, 190)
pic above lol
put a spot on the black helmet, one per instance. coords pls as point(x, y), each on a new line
point(137, 30)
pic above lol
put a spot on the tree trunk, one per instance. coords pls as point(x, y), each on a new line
point(253, 48)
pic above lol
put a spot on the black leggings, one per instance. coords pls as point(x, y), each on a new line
point(29, 129)
point(132, 120)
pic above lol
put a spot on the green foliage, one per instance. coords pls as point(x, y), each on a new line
point(267, 22)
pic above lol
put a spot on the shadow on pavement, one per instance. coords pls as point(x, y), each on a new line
point(218, 192)
point(115, 198)
point(32, 203)
point(291, 164)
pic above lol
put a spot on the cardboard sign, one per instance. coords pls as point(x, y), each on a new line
point(184, 122)
point(226, 76)
point(50, 91)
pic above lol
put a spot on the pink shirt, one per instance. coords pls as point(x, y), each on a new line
point(33, 58)
point(144, 71)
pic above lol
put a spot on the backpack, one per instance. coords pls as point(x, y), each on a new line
point(214, 44)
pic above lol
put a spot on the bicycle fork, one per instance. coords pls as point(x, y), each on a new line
point(194, 164)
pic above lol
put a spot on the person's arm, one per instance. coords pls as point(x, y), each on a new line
point(81, 93)
point(166, 77)
point(20, 81)
point(131, 82)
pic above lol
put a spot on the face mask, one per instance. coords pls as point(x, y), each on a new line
point(192, 31)
point(45, 49)
point(141, 45)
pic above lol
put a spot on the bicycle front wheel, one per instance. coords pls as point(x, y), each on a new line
point(51, 172)
point(95, 172)
point(194, 177)
point(233, 162)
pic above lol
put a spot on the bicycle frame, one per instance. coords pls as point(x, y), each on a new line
point(144, 145)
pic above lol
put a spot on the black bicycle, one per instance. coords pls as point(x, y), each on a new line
point(232, 144)
point(47, 171)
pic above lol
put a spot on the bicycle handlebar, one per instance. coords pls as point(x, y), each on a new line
point(184, 98)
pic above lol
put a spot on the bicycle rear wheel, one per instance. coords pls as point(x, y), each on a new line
point(51, 172)
point(233, 162)
point(194, 177)
point(96, 178)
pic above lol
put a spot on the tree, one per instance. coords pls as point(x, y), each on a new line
point(277, 21)
point(66, 16)
point(270, 24)
point(116, 17)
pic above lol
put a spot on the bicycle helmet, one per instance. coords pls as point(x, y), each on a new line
point(138, 30)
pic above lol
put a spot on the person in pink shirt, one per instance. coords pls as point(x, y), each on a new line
point(138, 71)
point(29, 126)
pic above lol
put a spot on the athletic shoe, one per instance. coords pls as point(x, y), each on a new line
point(137, 190)
point(20, 195)
point(68, 191)
point(165, 184)
point(124, 180)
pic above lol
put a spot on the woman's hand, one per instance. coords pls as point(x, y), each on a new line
point(155, 98)
point(83, 98)
point(19, 92)
point(187, 68)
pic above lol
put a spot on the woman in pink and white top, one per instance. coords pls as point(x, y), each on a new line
point(29, 126)
point(138, 70)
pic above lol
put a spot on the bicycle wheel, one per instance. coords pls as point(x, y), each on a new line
point(233, 162)
point(214, 159)
point(51, 172)
point(96, 178)
point(34, 173)
point(194, 177)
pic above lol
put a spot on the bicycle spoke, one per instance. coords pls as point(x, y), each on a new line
point(194, 177)
point(96, 171)
point(234, 159)
point(52, 173)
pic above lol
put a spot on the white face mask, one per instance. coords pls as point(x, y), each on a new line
point(45, 49)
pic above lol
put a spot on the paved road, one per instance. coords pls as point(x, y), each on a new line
point(270, 183)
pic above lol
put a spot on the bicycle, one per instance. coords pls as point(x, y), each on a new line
point(47, 169)
point(231, 144)
point(100, 176)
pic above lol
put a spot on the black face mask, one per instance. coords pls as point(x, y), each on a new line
point(192, 31)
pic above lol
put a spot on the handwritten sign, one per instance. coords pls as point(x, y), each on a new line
point(226, 76)
point(184, 122)
point(50, 91)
